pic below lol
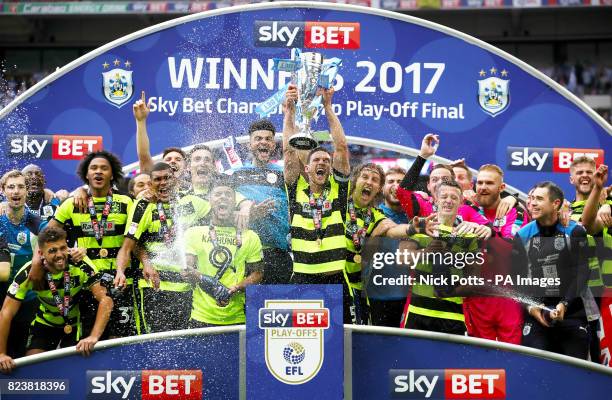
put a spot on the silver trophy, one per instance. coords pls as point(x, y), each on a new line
point(307, 81)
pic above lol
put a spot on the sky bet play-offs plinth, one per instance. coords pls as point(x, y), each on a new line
point(314, 358)
point(400, 78)
point(294, 341)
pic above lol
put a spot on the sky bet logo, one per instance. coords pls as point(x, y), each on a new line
point(441, 384)
point(56, 147)
point(145, 385)
point(541, 159)
point(309, 34)
point(279, 318)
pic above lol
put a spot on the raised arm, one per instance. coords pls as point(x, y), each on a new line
point(141, 112)
point(291, 159)
point(589, 215)
point(341, 152)
point(428, 149)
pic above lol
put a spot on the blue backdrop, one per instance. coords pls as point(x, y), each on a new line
point(527, 377)
point(216, 58)
point(216, 356)
point(373, 355)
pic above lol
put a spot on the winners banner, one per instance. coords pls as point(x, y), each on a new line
point(401, 77)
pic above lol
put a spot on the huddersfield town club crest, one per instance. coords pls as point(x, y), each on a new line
point(294, 342)
point(117, 86)
point(493, 95)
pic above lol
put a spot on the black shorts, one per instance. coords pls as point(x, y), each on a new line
point(387, 312)
point(359, 308)
point(317, 279)
point(50, 338)
point(443, 325)
point(278, 267)
point(122, 320)
point(20, 328)
point(194, 324)
point(164, 310)
point(570, 336)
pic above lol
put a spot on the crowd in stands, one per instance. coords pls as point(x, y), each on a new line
point(582, 78)
point(12, 86)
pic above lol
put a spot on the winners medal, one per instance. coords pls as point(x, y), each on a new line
point(103, 253)
point(62, 306)
point(357, 258)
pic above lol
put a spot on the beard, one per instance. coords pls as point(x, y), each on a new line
point(392, 201)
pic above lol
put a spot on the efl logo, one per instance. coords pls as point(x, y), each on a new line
point(56, 147)
point(441, 384)
point(146, 384)
point(294, 338)
point(542, 159)
point(309, 34)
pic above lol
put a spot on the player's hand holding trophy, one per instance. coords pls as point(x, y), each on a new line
point(309, 71)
